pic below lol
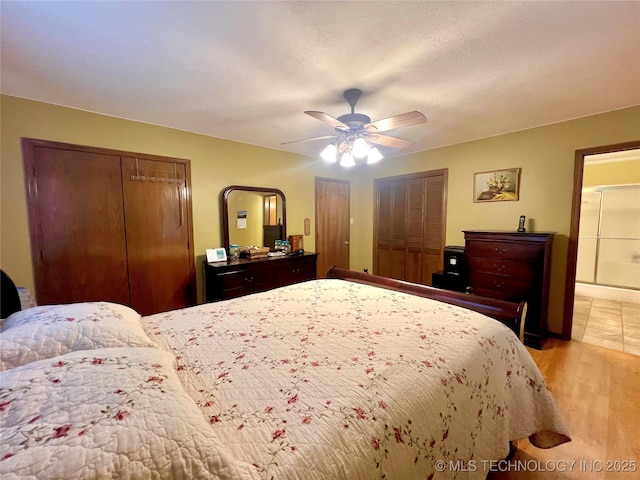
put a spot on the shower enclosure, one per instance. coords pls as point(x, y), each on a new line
point(609, 238)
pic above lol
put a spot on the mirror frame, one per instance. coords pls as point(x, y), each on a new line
point(225, 208)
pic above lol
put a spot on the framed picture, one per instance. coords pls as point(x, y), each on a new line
point(216, 255)
point(497, 186)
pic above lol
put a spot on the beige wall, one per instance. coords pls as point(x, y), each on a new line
point(215, 164)
point(545, 155)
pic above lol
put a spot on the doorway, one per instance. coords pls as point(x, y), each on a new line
point(602, 293)
point(332, 199)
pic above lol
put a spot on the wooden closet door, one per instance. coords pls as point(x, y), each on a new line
point(390, 235)
point(77, 225)
point(416, 193)
point(157, 224)
point(434, 225)
point(409, 226)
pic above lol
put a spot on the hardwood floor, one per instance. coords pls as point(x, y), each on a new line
point(598, 392)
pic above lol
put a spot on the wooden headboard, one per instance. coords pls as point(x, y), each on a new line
point(510, 313)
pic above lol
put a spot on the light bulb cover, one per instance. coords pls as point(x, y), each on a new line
point(361, 148)
point(374, 156)
point(330, 153)
point(347, 160)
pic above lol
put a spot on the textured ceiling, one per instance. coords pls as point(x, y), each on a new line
point(247, 71)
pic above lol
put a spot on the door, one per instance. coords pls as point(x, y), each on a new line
point(410, 225)
point(103, 230)
point(390, 241)
point(77, 226)
point(332, 224)
point(157, 225)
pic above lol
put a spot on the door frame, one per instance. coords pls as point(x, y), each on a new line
point(572, 252)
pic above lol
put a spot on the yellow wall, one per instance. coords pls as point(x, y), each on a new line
point(545, 155)
point(215, 164)
point(611, 173)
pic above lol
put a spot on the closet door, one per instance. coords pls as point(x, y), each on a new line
point(410, 225)
point(390, 242)
point(434, 221)
point(157, 224)
point(77, 225)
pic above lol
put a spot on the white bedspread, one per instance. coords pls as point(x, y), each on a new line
point(335, 380)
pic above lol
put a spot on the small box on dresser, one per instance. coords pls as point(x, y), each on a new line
point(512, 266)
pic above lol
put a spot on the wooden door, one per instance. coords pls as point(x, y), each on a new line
point(76, 224)
point(410, 225)
point(434, 233)
point(390, 229)
point(157, 224)
point(332, 224)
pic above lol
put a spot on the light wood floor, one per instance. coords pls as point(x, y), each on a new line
point(598, 392)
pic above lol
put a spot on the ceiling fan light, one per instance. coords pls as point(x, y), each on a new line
point(347, 160)
point(330, 153)
point(374, 156)
point(360, 148)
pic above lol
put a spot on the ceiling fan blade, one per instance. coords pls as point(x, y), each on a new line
point(389, 141)
point(324, 137)
point(397, 121)
point(328, 119)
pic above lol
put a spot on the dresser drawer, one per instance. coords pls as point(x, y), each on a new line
point(500, 286)
point(499, 266)
point(296, 272)
point(520, 252)
point(245, 276)
point(245, 279)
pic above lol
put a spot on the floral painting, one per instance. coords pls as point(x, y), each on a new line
point(496, 185)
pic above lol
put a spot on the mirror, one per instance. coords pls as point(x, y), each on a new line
point(253, 216)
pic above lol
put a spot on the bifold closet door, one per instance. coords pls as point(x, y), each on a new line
point(157, 226)
point(77, 226)
point(410, 219)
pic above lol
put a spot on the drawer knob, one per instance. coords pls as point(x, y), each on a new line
point(500, 251)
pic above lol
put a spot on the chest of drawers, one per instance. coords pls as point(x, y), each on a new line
point(515, 267)
point(226, 280)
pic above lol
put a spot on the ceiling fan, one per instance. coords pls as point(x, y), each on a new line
point(357, 136)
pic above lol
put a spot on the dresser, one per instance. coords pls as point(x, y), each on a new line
point(515, 267)
point(224, 280)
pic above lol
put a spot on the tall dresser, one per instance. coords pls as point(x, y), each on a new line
point(512, 266)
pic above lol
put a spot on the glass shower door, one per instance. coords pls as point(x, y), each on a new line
point(609, 242)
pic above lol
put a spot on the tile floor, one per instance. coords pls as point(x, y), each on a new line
point(607, 323)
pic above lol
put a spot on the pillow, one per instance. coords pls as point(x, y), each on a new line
point(106, 413)
point(46, 331)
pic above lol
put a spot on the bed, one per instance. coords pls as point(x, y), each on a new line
point(349, 377)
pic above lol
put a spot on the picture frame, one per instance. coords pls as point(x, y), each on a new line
point(497, 186)
point(216, 255)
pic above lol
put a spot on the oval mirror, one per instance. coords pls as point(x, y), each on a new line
point(253, 216)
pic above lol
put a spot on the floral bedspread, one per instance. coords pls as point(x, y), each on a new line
point(336, 380)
